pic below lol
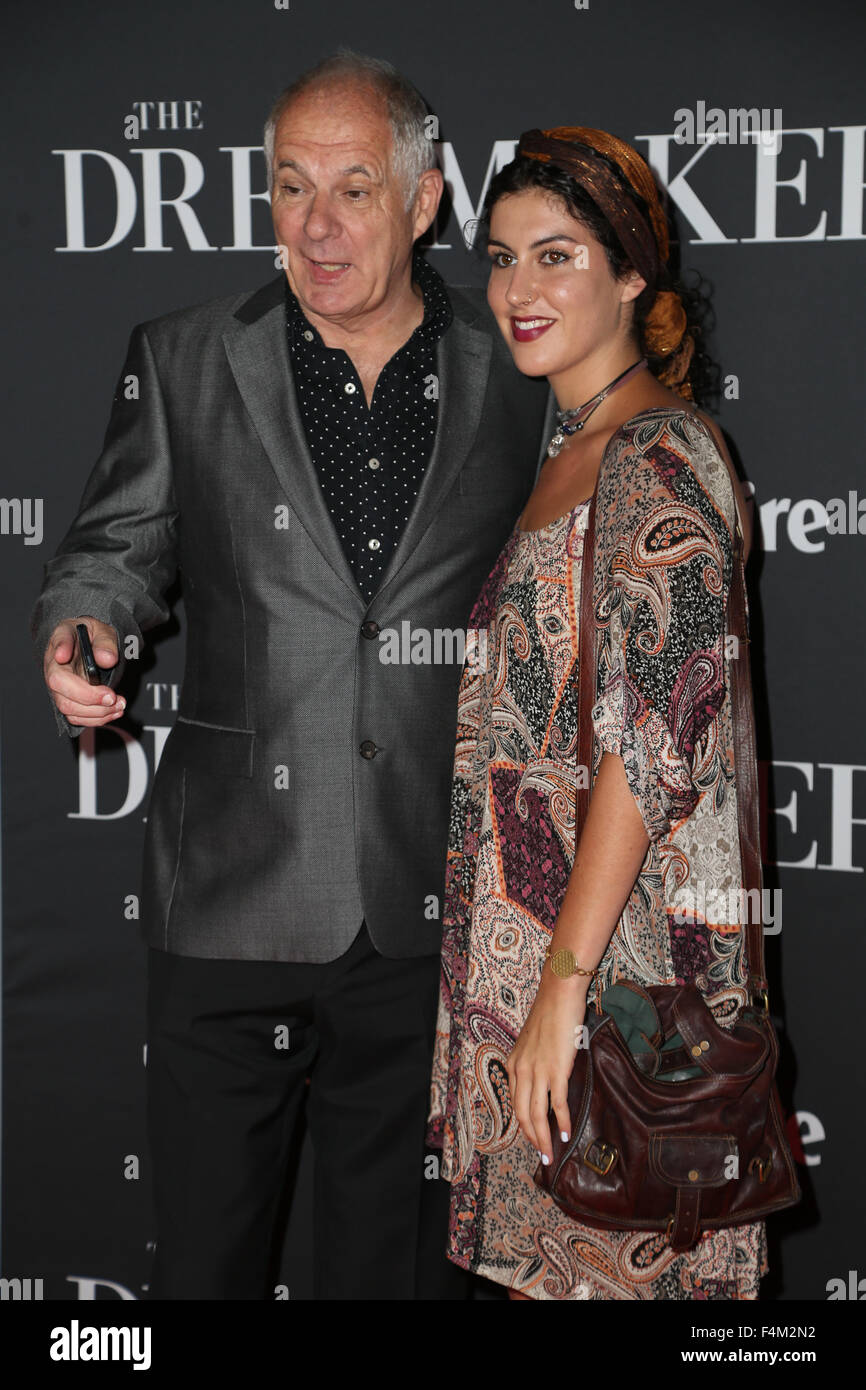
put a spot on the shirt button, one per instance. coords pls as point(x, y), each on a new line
point(368, 748)
point(372, 463)
point(349, 388)
point(370, 628)
point(373, 544)
point(308, 337)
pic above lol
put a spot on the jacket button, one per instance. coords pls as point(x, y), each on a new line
point(368, 748)
point(370, 628)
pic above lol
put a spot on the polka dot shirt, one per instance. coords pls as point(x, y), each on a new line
point(370, 461)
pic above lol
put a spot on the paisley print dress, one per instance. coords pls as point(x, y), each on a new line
point(661, 574)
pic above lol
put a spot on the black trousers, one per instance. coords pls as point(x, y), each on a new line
point(230, 1047)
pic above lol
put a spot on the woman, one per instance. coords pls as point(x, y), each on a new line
point(581, 290)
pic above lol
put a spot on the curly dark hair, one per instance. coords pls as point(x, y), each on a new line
point(526, 173)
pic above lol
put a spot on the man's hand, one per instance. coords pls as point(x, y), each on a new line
point(71, 691)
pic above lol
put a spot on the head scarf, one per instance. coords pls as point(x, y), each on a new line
point(576, 150)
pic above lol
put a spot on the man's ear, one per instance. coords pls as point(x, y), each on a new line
point(427, 198)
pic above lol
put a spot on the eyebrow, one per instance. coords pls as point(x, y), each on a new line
point(352, 169)
point(542, 241)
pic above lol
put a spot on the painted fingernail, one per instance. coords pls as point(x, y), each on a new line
point(563, 1136)
point(544, 1158)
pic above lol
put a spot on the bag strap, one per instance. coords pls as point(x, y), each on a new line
point(587, 675)
point(746, 765)
point(742, 716)
point(587, 672)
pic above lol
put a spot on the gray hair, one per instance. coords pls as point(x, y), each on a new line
point(413, 150)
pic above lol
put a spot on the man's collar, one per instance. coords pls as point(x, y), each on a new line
point(438, 312)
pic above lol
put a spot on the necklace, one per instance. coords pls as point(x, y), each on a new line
point(572, 420)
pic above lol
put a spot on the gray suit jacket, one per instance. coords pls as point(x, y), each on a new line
point(270, 836)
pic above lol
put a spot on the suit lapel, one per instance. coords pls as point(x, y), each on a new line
point(256, 345)
point(258, 353)
point(463, 365)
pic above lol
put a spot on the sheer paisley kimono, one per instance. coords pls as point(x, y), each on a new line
point(666, 514)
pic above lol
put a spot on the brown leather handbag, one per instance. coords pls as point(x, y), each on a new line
point(686, 1135)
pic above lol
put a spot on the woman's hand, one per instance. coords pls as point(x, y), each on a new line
point(541, 1060)
point(607, 861)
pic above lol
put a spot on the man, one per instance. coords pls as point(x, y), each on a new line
point(337, 454)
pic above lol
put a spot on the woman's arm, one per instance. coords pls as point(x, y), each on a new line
point(607, 861)
point(663, 546)
point(745, 505)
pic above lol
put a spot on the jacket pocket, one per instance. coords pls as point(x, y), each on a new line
point(211, 748)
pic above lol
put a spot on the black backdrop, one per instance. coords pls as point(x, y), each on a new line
point(779, 235)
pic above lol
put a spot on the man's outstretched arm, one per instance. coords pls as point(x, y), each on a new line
point(118, 557)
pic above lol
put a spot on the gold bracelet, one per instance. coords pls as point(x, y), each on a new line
point(563, 964)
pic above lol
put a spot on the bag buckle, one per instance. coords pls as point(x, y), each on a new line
point(763, 1166)
point(605, 1157)
point(760, 1000)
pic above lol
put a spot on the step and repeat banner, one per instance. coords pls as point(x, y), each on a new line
point(135, 184)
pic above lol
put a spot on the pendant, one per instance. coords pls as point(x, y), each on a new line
point(558, 439)
point(555, 444)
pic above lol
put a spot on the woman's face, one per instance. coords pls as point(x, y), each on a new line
point(556, 300)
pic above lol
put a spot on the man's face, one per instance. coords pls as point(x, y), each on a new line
point(339, 208)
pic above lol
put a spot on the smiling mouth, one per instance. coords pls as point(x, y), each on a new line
point(329, 265)
point(529, 330)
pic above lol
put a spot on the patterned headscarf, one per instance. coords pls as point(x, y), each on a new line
point(575, 150)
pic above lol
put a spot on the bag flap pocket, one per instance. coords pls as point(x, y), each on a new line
point(693, 1160)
